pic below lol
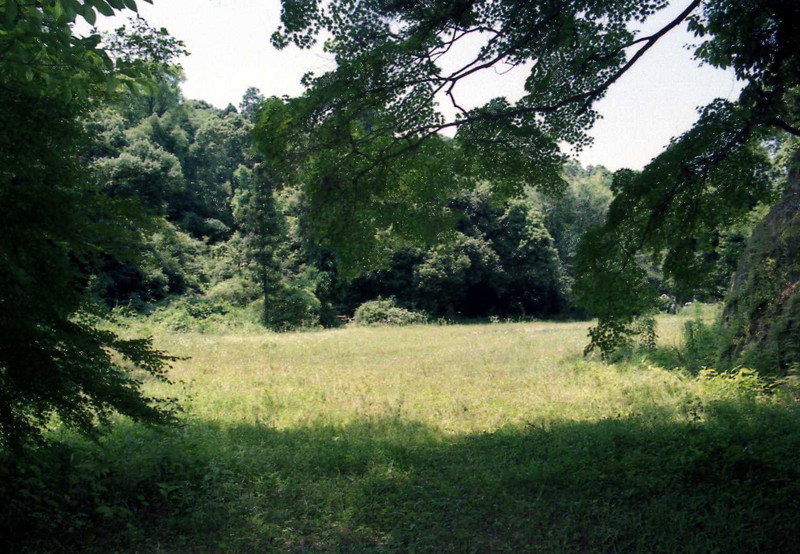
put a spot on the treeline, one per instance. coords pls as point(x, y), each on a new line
point(229, 237)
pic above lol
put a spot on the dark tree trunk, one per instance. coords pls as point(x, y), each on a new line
point(762, 311)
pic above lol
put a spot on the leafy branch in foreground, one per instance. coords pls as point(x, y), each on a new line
point(371, 128)
point(57, 225)
point(378, 111)
point(706, 180)
point(381, 104)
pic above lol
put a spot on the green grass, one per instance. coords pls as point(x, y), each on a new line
point(463, 438)
point(460, 378)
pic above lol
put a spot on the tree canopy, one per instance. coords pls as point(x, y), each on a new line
point(380, 108)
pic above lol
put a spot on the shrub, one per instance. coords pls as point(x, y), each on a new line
point(189, 314)
point(386, 312)
point(235, 291)
point(736, 384)
point(701, 344)
point(195, 315)
point(291, 307)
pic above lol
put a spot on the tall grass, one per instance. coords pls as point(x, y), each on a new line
point(460, 378)
point(495, 437)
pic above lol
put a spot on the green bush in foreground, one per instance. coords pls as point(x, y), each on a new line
point(386, 312)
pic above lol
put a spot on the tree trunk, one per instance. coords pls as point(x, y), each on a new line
point(762, 310)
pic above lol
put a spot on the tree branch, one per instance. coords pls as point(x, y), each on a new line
point(781, 124)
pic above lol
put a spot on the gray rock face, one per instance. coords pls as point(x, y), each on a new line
point(762, 311)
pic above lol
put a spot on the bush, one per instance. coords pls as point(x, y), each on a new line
point(736, 384)
point(386, 312)
point(701, 344)
point(235, 291)
point(189, 314)
point(193, 315)
point(291, 307)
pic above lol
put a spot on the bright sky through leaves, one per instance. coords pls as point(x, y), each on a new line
point(229, 42)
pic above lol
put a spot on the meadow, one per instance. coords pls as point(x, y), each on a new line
point(463, 438)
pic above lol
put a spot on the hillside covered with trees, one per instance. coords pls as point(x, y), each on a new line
point(232, 237)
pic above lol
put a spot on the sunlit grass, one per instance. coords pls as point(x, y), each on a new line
point(458, 378)
point(461, 438)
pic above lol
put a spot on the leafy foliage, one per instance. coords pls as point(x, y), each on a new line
point(58, 225)
point(670, 220)
point(499, 260)
point(386, 312)
point(582, 206)
point(381, 104)
point(763, 309)
point(356, 204)
point(708, 179)
point(291, 306)
point(260, 222)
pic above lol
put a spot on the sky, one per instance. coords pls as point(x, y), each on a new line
point(230, 51)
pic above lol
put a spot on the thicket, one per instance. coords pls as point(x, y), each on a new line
point(231, 235)
point(234, 237)
point(386, 312)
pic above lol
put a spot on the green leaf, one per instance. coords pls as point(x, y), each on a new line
point(11, 12)
point(72, 7)
point(89, 15)
point(68, 10)
point(117, 4)
point(28, 75)
point(131, 5)
point(103, 7)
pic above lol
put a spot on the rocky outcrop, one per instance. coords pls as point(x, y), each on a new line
point(762, 311)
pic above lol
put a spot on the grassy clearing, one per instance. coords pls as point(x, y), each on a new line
point(496, 437)
point(459, 378)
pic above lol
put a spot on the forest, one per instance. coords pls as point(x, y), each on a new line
point(346, 321)
point(230, 240)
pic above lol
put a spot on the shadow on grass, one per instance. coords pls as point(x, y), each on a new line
point(727, 484)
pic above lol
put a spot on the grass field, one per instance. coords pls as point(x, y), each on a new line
point(462, 438)
point(458, 379)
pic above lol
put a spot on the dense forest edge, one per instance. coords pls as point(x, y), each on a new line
point(231, 241)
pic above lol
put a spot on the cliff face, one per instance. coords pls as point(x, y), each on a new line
point(762, 311)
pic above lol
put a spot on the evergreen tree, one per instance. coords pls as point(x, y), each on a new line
point(260, 228)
